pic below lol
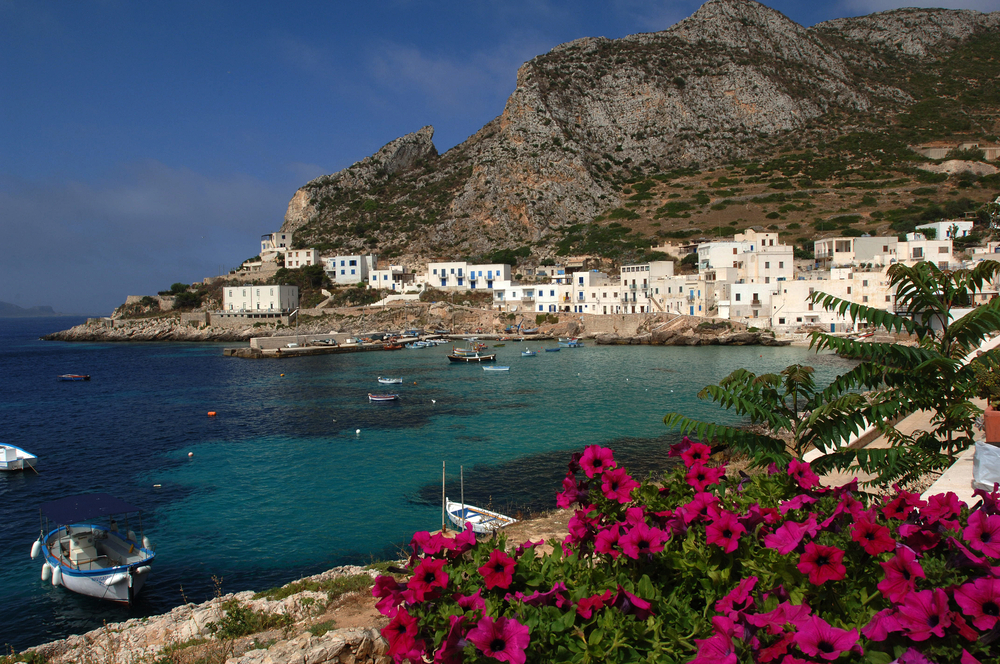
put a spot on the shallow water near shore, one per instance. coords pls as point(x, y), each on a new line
point(280, 483)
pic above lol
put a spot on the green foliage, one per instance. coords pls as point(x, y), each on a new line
point(241, 620)
point(611, 241)
point(187, 300)
point(322, 628)
point(507, 256)
point(334, 587)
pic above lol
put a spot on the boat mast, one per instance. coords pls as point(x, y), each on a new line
point(444, 524)
point(461, 477)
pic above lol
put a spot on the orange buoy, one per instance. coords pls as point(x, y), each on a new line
point(211, 413)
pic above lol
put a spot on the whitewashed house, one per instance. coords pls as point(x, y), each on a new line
point(259, 299)
point(948, 228)
point(350, 270)
point(296, 258)
point(460, 275)
point(273, 245)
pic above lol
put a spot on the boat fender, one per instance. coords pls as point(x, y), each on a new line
point(146, 544)
point(130, 581)
point(131, 535)
point(56, 576)
point(36, 549)
point(115, 578)
point(144, 569)
point(46, 572)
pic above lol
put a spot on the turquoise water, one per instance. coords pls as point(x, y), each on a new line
point(281, 484)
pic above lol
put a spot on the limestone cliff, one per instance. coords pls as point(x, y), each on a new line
point(727, 83)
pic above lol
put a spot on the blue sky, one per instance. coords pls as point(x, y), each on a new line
point(147, 143)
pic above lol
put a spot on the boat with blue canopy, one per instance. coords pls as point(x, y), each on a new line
point(92, 558)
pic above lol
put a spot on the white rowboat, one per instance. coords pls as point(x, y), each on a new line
point(483, 521)
point(14, 458)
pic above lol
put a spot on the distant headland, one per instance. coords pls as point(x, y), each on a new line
point(8, 310)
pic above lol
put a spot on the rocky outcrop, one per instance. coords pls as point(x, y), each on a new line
point(952, 166)
point(721, 85)
point(692, 338)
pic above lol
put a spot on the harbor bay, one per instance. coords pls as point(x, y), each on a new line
point(298, 471)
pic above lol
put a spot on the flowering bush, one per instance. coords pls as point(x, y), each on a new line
point(710, 569)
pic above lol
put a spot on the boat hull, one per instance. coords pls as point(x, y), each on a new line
point(14, 458)
point(99, 577)
point(472, 358)
point(482, 521)
point(390, 381)
point(74, 377)
point(378, 398)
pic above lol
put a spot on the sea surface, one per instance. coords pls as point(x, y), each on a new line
point(298, 472)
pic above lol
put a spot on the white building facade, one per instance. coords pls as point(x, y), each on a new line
point(256, 298)
point(350, 270)
point(296, 258)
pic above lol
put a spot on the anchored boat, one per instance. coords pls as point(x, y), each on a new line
point(473, 358)
point(390, 381)
point(14, 458)
point(496, 368)
point(89, 558)
point(74, 377)
point(382, 397)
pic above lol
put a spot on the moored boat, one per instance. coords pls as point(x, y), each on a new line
point(14, 458)
point(74, 377)
point(390, 381)
point(483, 521)
point(571, 344)
point(472, 358)
point(497, 368)
point(552, 350)
point(528, 353)
point(89, 558)
point(382, 397)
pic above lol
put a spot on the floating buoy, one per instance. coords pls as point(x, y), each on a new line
point(46, 572)
point(357, 431)
point(56, 576)
point(156, 486)
point(146, 544)
point(131, 535)
point(36, 549)
point(190, 454)
point(433, 400)
point(211, 413)
point(282, 374)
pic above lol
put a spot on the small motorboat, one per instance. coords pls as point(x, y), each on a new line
point(571, 344)
point(390, 381)
point(528, 353)
point(496, 368)
point(14, 458)
point(392, 347)
point(382, 397)
point(418, 344)
point(533, 330)
point(472, 358)
point(551, 350)
point(74, 377)
point(92, 559)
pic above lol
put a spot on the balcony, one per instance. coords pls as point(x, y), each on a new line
point(528, 298)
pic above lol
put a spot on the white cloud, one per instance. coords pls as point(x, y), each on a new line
point(82, 247)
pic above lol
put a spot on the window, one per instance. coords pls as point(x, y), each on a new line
point(734, 251)
point(354, 262)
point(453, 270)
point(864, 283)
point(918, 252)
point(781, 264)
point(767, 265)
point(435, 271)
point(848, 290)
point(737, 297)
point(781, 321)
point(798, 319)
point(342, 271)
point(942, 250)
point(767, 280)
point(864, 298)
point(341, 265)
point(885, 247)
point(352, 271)
point(888, 298)
point(734, 264)
point(810, 306)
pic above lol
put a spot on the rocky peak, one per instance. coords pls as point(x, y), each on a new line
point(394, 157)
point(913, 32)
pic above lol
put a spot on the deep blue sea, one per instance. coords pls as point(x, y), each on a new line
point(281, 484)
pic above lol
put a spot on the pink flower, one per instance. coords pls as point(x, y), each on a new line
point(785, 538)
point(450, 651)
point(401, 633)
point(817, 638)
point(698, 507)
point(983, 533)
point(718, 649)
point(913, 656)
point(678, 449)
point(776, 649)
point(822, 563)
point(725, 532)
point(585, 607)
point(902, 505)
point(881, 625)
point(581, 526)
point(917, 537)
point(872, 537)
point(784, 614)
point(942, 507)
point(571, 493)
point(738, 599)
point(618, 485)
point(696, 453)
point(980, 600)
point(504, 640)
point(924, 614)
point(427, 576)
point(630, 604)
point(596, 460)
point(498, 570)
point(796, 503)
point(473, 602)
point(901, 573)
point(642, 540)
point(803, 474)
point(557, 596)
point(701, 476)
point(967, 658)
point(390, 593)
point(606, 541)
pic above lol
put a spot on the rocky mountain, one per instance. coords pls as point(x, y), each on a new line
point(8, 310)
point(735, 81)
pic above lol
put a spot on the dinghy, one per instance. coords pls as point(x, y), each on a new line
point(382, 397)
point(390, 381)
point(89, 558)
point(496, 368)
point(14, 458)
point(482, 521)
point(74, 377)
point(528, 353)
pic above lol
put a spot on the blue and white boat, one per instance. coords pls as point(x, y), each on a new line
point(529, 353)
point(14, 458)
point(89, 558)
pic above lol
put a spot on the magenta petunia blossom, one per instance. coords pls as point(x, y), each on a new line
point(390, 593)
point(903, 504)
point(606, 541)
point(738, 599)
point(916, 537)
point(582, 527)
point(571, 493)
point(785, 538)
point(983, 533)
point(784, 614)
point(678, 449)
point(585, 607)
point(901, 573)
point(872, 537)
point(401, 633)
point(701, 476)
point(881, 625)
point(504, 639)
point(498, 570)
point(913, 656)
point(717, 649)
point(596, 460)
point(967, 658)
point(451, 648)
point(630, 604)
point(802, 474)
point(817, 638)
point(427, 576)
point(822, 563)
point(618, 485)
point(796, 503)
point(725, 532)
point(696, 453)
point(698, 507)
point(473, 602)
point(924, 614)
point(642, 540)
point(942, 507)
point(558, 596)
point(980, 601)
